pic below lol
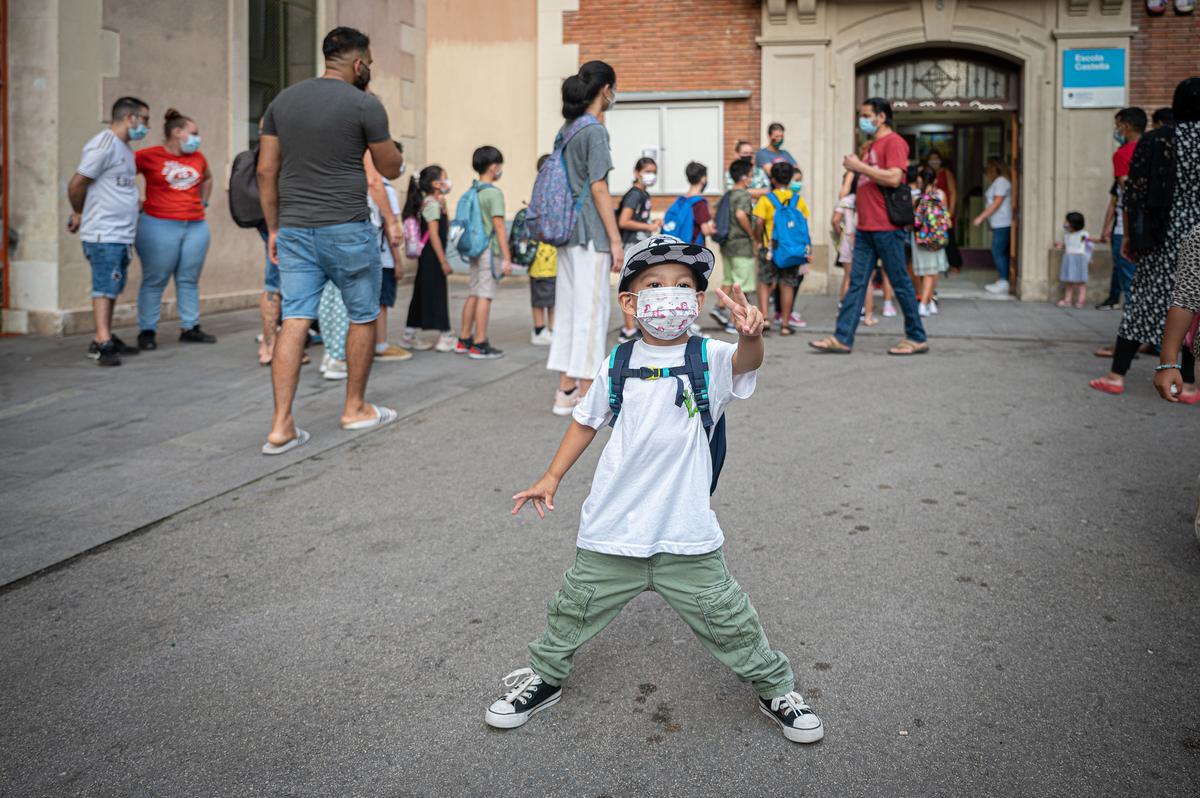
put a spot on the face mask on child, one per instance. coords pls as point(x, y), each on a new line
point(666, 313)
point(446, 185)
point(649, 178)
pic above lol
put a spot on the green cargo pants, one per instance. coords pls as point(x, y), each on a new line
point(698, 587)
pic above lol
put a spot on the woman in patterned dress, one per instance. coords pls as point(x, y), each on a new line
point(1182, 317)
point(1163, 192)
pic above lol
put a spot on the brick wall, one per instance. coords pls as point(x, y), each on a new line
point(1166, 50)
point(678, 45)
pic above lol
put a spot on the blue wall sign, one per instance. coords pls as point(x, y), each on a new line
point(1093, 78)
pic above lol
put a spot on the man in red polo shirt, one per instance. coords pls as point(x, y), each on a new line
point(877, 238)
point(1128, 126)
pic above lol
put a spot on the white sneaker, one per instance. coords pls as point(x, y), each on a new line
point(998, 287)
point(797, 722)
point(527, 695)
point(564, 403)
point(889, 310)
point(411, 341)
point(933, 310)
point(923, 310)
point(446, 342)
point(335, 369)
point(542, 338)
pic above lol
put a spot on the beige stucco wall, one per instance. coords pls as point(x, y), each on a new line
point(809, 63)
point(70, 59)
point(482, 68)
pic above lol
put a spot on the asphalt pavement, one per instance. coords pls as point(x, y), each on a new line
point(985, 574)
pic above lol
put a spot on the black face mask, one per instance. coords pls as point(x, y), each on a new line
point(746, 158)
point(362, 79)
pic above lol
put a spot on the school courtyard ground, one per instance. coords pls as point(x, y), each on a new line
point(986, 576)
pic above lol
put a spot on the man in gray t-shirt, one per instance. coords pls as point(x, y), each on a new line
point(313, 187)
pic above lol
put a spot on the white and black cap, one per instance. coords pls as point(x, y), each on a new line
point(659, 248)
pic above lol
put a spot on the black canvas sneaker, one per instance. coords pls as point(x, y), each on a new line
point(527, 695)
point(124, 348)
point(147, 339)
point(798, 723)
point(482, 350)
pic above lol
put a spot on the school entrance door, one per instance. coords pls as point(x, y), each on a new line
point(964, 105)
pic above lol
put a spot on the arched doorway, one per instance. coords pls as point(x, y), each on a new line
point(965, 105)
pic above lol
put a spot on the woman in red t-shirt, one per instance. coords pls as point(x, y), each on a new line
point(172, 235)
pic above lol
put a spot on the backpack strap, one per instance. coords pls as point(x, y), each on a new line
point(774, 200)
point(695, 367)
point(618, 372)
point(795, 201)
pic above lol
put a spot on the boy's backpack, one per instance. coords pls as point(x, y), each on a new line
point(694, 370)
point(931, 225)
point(724, 219)
point(245, 206)
point(522, 248)
point(789, 233)
point(552, 205)
point(467, 229)
point(414, 241)
point(680, 220)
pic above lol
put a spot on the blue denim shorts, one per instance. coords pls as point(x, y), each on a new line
point(347, 254)
point(110, 267)
point(271, 276)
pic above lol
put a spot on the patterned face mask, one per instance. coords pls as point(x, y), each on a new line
point(666, 313)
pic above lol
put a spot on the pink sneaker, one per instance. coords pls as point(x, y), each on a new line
point(796, 323)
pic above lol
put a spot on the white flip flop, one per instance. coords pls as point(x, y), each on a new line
point(383, 415)
point(300, 439)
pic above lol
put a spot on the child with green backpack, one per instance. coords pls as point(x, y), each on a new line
point(648, 523)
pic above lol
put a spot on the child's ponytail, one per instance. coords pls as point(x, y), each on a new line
point(412, 202)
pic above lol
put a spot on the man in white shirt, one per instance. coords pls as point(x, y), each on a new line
point(104, 203)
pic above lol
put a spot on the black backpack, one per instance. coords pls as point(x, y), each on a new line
point(724, 219)
point(245, 206)
point(694, 370)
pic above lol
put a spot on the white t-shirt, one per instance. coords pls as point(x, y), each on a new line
point(650, 490)
point(110, 209)
point(1075, 243)
point(1000, 187)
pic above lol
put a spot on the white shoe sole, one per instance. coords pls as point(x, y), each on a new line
point(559, 410)
point(335, 375)
point(518, 718)
point(793, 734)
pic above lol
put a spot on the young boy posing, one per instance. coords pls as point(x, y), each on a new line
point(647, 524)
point(481, 290)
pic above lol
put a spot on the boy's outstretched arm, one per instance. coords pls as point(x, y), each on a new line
point(749, 322)
point(574, 442)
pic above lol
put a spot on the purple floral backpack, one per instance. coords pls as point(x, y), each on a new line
point(553, 206)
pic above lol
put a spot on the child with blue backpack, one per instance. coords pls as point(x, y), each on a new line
point(689, 218)
point(781, 223)
point(648, 523)
point(484, 242)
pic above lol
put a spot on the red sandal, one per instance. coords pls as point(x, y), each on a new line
point(1107, 387)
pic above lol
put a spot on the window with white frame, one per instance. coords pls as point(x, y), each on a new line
point(673, 134)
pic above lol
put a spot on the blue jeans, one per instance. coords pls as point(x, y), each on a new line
point(170, 247)
point(1122, 272)
point(347, 254)
point(110, 267)
point(870, 246)
point(1000, 238)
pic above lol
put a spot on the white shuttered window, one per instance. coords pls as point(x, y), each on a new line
point(673, 134)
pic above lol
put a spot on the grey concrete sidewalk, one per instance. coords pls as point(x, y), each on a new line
point(90, 454)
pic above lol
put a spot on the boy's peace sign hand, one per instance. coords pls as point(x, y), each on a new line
point(541, 493)
point(748, 319)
